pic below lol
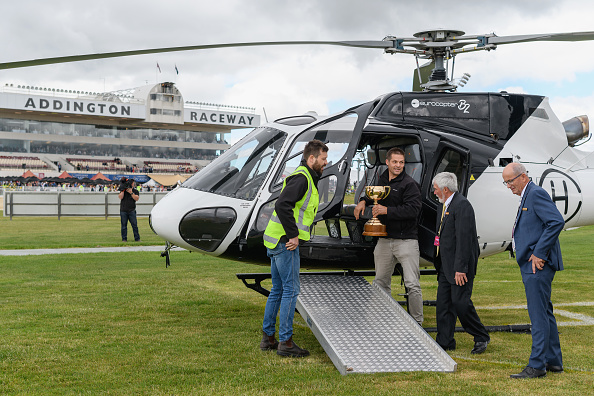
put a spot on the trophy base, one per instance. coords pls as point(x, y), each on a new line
point(374, 230)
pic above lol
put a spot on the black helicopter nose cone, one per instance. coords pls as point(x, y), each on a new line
point(206, 228)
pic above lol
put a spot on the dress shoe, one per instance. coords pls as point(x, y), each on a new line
point(480, 347)
point(529, 372)
point(268, 343)
point(290, 349)
point(554, 369)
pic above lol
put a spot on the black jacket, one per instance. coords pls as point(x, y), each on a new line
point(458, 241)
point(294, 190)
point(403, 203)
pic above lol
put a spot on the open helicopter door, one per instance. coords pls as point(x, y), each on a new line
point(341, 133)
point(448, 157)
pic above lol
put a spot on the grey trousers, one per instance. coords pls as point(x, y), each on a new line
point(387, 252)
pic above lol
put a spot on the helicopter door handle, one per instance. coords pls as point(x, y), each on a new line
point(341, 166)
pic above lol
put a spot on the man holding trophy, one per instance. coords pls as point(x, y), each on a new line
point(397, 208)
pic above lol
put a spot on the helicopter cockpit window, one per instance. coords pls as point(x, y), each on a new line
point(241, 170)
point(451, 161)
point(337, 135)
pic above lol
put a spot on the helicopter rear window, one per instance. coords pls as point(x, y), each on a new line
point(241, 170)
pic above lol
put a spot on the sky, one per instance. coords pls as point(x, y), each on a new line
point(281, 81)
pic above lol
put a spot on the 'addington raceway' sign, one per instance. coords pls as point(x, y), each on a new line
point(91, 107)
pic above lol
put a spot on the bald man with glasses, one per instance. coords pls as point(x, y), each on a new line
point(535, 239)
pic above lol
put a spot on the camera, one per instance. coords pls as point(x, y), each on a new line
point(125, 184)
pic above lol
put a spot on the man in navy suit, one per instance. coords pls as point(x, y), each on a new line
point(457, 252)
point(535, 237)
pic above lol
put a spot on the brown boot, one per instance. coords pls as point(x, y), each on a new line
point(289, 348)
point(268, 343)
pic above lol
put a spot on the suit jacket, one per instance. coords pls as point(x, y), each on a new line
point(458, 241)
point(537, 229)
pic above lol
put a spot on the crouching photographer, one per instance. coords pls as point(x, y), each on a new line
point(128, 196)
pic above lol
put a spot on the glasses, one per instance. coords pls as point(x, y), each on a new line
point(508, 182)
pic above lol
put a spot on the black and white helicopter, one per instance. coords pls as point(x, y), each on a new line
point(224, 208)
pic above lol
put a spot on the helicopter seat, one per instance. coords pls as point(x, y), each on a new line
point(349, 211)
point(354, 226)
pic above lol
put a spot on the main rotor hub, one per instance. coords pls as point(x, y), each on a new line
point(439, 34)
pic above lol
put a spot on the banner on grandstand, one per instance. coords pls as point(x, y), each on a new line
point(71, 105)
point(221, 117)
point(115, 178)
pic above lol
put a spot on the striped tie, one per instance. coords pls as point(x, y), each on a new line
point(440, 224)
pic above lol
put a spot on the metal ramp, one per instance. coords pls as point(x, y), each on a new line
point(364, 330)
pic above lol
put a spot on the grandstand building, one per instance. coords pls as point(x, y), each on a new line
point(149, 128)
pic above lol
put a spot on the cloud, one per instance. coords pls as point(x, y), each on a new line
point(287, 79)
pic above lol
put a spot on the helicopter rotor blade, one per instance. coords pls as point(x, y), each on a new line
point(76, 58)
point(573, 36)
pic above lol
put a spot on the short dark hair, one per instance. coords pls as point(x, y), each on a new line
point(394, 150)
point(315, 148)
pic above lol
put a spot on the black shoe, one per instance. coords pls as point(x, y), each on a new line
point(268, 343)
point(529, 372)
point(554, 369)
point(124, 240)
point(480, 347)
point(290, 349)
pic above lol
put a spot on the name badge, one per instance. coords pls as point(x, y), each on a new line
point(436, 241)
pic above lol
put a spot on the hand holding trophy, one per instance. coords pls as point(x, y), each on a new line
point(374, 227)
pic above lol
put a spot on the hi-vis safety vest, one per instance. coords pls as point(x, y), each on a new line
point(304, 212)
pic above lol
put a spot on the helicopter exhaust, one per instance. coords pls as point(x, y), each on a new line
point(576, 128)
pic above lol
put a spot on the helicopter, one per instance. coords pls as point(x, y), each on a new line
point(224, 208)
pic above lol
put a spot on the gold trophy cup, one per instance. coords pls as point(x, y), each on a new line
point(374, 227)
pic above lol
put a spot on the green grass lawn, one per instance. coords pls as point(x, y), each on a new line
point(49, 232)
point(120, 323)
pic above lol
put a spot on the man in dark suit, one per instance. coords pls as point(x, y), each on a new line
point(535, 237)
point(457, 252)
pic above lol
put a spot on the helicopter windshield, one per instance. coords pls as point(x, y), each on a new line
point(241, 170)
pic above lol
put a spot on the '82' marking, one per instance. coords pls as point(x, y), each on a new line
point(462, 105)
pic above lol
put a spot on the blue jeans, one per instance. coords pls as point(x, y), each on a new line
point(131, 216)
point(284, 267)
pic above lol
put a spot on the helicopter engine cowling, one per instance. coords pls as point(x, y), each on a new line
point(576, 128)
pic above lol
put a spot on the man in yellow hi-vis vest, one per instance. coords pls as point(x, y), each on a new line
point(291, 221)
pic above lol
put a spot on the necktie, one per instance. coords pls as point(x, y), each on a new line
point(443, 209)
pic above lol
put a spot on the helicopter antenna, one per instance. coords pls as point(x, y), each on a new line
point(265, 116)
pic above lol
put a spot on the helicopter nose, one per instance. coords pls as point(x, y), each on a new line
point(188, 218)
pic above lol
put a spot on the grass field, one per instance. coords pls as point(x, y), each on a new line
point(120, 323)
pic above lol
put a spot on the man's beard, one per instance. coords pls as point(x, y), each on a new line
point(317, 168)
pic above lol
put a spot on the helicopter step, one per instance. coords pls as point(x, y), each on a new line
point(364, 330)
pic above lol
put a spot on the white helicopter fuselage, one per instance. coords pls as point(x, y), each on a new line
point(239, 214)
